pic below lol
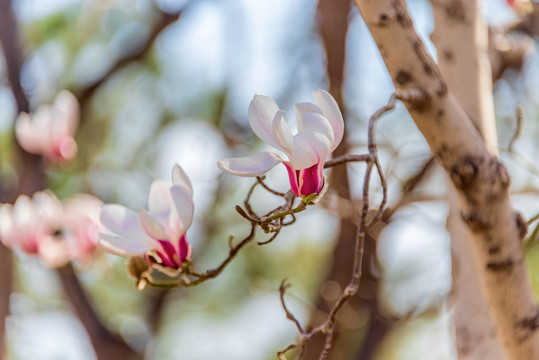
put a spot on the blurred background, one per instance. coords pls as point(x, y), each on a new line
point(164, 82)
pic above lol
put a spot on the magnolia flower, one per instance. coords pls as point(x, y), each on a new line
point(320, 130)
point(44, 227)
point(157, 234)
point(51, 129)
point(30, 224)
point(81, 226)
point(521, 7)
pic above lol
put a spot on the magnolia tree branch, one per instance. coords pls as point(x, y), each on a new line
point(144, 274)
point(106, 345)
point(462, 40)
point(481, 180)
point(29, 167)
point(271, 222)
point(143, 47)
point(327, 327)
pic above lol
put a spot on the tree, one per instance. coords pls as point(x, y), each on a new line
point(136, 107)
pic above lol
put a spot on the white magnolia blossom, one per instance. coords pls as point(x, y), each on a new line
point(50, 130)
point(45, 227)
point(320, 130)
point(157, 234)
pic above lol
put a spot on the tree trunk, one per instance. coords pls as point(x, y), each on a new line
point(480, 179)
point(461, 38)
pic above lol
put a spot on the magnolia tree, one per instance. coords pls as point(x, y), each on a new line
point(477, 286)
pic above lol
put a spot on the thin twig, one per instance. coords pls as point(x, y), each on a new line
point(164, 21)
point(533, 219)
point(282, 290)
point(261, 182)
point(184, 281)
point(518, 129)
point(281, 354)
point(327, 327)
point(416, 179)
point(347, 158)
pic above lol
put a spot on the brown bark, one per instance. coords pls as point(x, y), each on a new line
point(462, 44)
point(106, 345)
point(142, 49)
point(30, 177)
point(479, 178)
point(333, 26)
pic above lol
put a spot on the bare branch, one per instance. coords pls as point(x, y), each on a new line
point(261, 182)
point(481, 181)
point(164, 21)
point(107, 345)
point(518, 129)
point(345, 159)
point(183, 279)
point(327, 327)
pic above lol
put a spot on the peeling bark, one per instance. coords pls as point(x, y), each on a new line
point(462, 45)
point(480, 179)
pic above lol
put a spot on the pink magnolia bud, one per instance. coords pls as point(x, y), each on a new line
point(157, 234)
point(50, 130)
point(320, 130)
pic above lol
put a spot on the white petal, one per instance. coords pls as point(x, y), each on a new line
point(123, 246)
point(253, 165)
point(49, 205)
point(302, 109)
point(184, 207)
point(42, 124)
point(29, 139)
point(281, 132)
point(159, 200)
point(309, 147)
point(262, 110)
point(83, 206)
point(6, 223)
point(123, 222)
point(317, 122)
point(26, 217)
point(152, 226)
point(180, 178)
point(68, 105)
point(331, 111)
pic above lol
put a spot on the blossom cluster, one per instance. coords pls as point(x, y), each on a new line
point(57, 232)
point(50, 130)
point(157, 234)
point(54, 231)
point(320, 130)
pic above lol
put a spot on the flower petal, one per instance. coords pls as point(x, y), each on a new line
point(30, 140)
point(281, 132)
point(159, 200)
point(184, 206)
point(123, 222)
point(330, 109)
point(317, 122)
point(302, 109)
point(6, 224)
point(309, 147)
point(68, 106)
point(262, 110)
point(152, 226)
point(122, 246)
point(253, 165)
point(26, 216)
point(180, 178)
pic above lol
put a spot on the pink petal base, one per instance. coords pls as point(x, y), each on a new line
point(172, 258)
point(305, 181)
